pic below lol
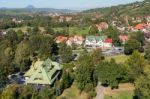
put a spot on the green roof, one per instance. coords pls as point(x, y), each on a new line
point(97, 38)
point(43, 72)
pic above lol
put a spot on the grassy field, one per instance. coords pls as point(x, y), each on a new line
point(121, 95)
point(125, 91)
point(24, 28)
point(75, 30)
point(118, 58)
point(72, 30)
point(73, 93)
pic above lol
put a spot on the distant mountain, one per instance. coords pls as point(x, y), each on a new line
point(30, 7)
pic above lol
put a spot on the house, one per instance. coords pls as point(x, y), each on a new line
point(102, 26)
point(147, 36)
point(98, 42)
point(123, 38)
point(68, 18)
point(43, 72)
point(65, 18)
point(93, 41)
point(108, 43)
point(148, 18)
point(78, 40)
point(121, 29)
point(140, 26)
point(136, 19)
point(61, 39)
point(61, 19)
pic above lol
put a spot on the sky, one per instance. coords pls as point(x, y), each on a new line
point(62, 4)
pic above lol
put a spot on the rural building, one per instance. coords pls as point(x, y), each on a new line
point(43, 72)
point(98, 42)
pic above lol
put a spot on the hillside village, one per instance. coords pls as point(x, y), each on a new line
point(100, 53)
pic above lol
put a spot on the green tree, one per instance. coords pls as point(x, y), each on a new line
point(147, 52)
point(136, 64)
point(20, 35)
point(65, 53)
point(10, 92)
point(130, 46)
point(85, 73)
point(35, 30)
point(41, 45)
point(142, 84)
point(93, 30)
point(25, 92)
point(22, 56)
point(114, 34)
point(67, 80)
point(47, 93)
point(97, 56)
point(111, 73)
point(49, 30)
point(139, 36)
point(11, 38)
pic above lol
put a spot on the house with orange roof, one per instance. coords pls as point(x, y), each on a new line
point(61, 39)
point(140, 26)
point(78, 40)
point(123, 38)
point(102, 26)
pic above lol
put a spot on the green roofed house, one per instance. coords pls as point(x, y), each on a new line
point(43, 72)
point(95, 41)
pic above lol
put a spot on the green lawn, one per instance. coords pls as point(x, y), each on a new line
point(118, 58)
point(73, 93)
point(72, 30)
point(24, 28)
point(121, 95)
point(75, 30)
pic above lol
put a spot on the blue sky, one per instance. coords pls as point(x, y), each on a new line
point(70, 4)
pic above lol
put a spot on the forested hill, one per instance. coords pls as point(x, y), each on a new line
point(32, 10)
point(133, 9)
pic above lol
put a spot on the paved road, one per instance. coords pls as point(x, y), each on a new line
point(100, 91)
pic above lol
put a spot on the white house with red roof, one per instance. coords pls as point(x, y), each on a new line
point(108, 43)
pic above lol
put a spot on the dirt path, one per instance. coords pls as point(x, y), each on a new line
point(100, 91)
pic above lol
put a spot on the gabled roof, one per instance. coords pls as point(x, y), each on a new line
point(43, 72)
point(97, 38)
point(61, 39)
point(108, 40)
point(140, 26)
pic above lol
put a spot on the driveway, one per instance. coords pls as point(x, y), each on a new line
point(100, 91)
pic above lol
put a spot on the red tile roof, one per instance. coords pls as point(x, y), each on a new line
point(140, 26)
point(61, 39)
point(108, 40)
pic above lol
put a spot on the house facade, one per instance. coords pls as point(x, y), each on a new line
point(102, 26)
point(78, 40)
point(43, 72)
point(98, 42)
